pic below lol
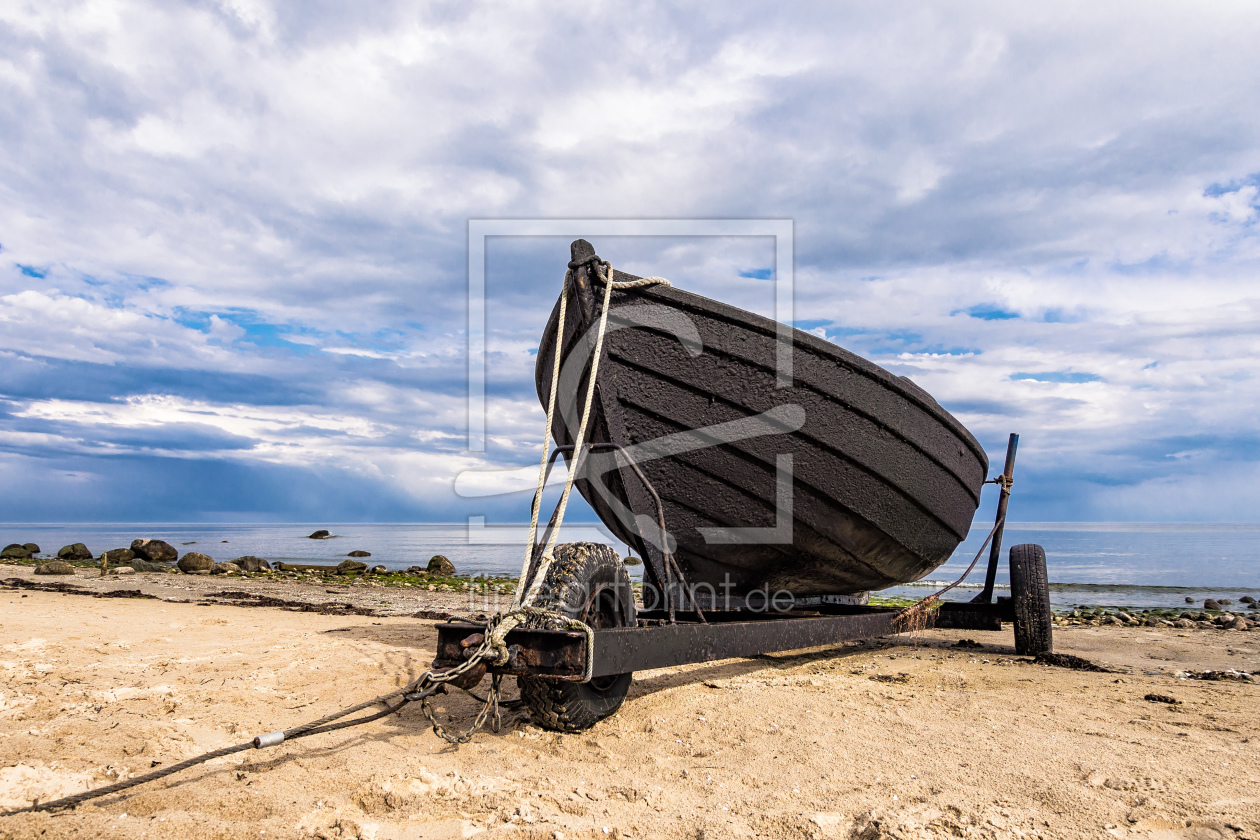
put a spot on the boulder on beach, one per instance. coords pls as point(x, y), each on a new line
point(119, 556)
point(74, 551)
point(16, 551)
point(250, 563)
point(1246, 599)
point(155, 551)
point(195, 561)
point(439, 565)
point(321, 534)
point(416, 570)
point(145, 566)
point(226, 569)
point(1210, 604)
point(351, 566)
point(378, 570)
point(31, 547)
point(359, 553)
point(122, 570)
point(54, 567)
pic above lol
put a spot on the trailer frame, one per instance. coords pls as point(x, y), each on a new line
point(656, 642)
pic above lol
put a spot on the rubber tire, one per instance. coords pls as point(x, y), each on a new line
point(587, 581)
point(1030, 594)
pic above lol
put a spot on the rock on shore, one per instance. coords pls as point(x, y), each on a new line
point(54, 567)
point(439, 565)
point(75, 551)
point(250, 563)
point(16, 551)
point(155, 551)
point(119, 556)
point(195, 561)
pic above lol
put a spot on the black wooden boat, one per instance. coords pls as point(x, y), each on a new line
point(854, 479)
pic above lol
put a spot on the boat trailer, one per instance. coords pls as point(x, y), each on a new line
point(658, 643)
point(664, 638)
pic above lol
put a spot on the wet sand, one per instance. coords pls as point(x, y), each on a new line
point(894, 738)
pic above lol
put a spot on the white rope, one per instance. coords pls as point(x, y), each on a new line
point(493, 647)
point(546, 447)
point(622, 285)
point(548, 557)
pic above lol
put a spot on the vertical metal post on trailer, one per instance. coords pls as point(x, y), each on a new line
point(995, 551)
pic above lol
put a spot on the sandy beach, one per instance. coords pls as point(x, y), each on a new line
point(896, 738)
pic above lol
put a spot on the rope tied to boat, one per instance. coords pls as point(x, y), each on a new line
point(493, 648)
point(1004, 481)
point(525, 596)
point(623, 285)
point(915, 617)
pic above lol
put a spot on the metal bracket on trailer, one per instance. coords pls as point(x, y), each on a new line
point(955, 615)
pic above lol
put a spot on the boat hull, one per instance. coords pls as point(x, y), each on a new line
point(850, 479)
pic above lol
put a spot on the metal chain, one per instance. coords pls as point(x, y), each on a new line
point(491, 702)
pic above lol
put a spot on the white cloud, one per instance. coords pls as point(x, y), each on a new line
point(223, 187)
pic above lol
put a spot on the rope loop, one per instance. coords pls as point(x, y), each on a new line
point(1002, 481)
point(625, 285)
point(574, 265)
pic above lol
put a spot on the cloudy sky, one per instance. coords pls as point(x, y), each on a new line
point(233, 234)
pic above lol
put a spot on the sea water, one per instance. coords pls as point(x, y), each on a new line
point(1137, 565)
point(1121, 564)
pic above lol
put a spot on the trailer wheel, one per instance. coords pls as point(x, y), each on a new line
point(588, 582)
point(1030, 593)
